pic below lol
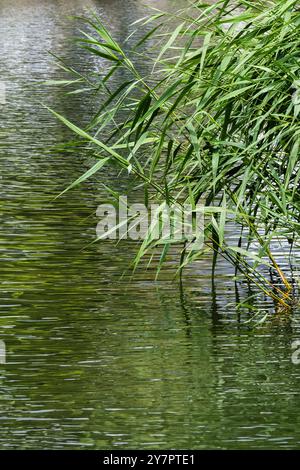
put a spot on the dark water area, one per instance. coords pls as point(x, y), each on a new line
point(97, 359)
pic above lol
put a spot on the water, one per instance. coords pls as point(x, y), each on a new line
point(94, 359)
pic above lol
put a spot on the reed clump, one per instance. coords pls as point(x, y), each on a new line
point(218, 121)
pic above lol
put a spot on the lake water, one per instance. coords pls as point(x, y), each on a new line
point(94, 358)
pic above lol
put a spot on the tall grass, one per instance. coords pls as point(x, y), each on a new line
point(219, 123)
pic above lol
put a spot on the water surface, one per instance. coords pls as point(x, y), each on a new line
point(94, 359)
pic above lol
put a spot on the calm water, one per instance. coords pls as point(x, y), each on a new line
point(94, 359)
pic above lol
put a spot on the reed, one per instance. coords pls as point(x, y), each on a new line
point(218, 120)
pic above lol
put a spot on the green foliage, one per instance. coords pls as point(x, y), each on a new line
point(220, 125)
